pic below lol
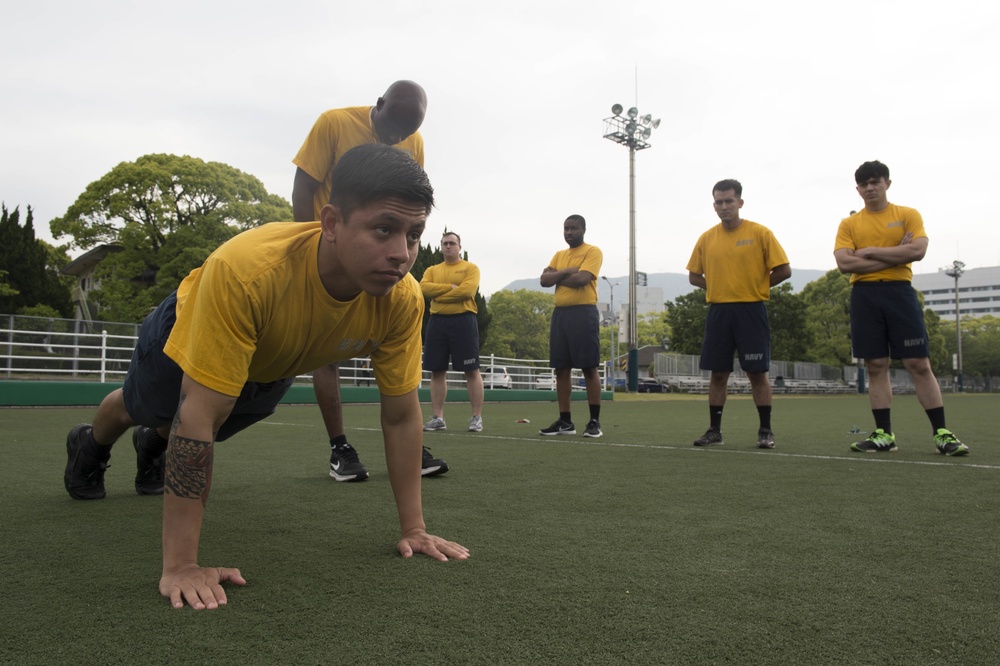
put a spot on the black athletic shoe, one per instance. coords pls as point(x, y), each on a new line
point(84, 477)
point(710, 438)
point(765, 439)
point(560, 427)
point(344, 464)
point(148, 469)
point(879, 441)
point(432, 466)
point(593, 429)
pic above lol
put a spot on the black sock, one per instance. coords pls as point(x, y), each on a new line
point(595, 412)
point(96, 451)
point(339, 440)
point(565, 417)
point(764, 412)
point(882, 419)
point(715, 417)
point(152, 444)
point(936, 416)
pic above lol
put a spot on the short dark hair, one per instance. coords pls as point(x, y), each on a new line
point(728, 184)
point(869, 170)
point(578, 218)
point(452, 233)
point(373, 172)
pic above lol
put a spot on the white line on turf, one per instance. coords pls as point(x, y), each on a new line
point(586, 441)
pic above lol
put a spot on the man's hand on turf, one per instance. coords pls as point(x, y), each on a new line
point(200, 587)
point(431, 546)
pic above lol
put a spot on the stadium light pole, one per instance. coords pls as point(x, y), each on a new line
point(614, 330)
point(632, 131)
point(956, 271)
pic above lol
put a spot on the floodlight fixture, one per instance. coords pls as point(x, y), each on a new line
point(631, 131)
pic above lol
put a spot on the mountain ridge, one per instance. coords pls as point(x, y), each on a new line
point(672, 284)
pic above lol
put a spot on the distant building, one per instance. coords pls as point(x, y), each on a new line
point(82, 268)
point(978, 292)
point(649, 299)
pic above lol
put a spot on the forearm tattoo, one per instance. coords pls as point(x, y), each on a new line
point(189, 468)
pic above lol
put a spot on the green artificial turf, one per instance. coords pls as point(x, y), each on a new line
point(633, 548)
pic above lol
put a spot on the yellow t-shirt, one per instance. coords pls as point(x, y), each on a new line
point(335, 132)
point(737, 263)
point(436, 285)
point(256, 310)
point(882, 229)
point(586, 258)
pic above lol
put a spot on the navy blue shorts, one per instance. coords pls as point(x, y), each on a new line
point(456, 336)
point(887, 322)
point(732, 326)
point(574, 339)
point(152, 386)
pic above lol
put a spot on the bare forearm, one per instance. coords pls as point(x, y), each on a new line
point(303, 191)
point(403, 435)
point(849, 263)
point(402, 457)
point(187, 483)
point(780, 274)
point(697, 280)
point(892, 256)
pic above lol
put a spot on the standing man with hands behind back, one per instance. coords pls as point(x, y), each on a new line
point(393, 121)
point(737, 262)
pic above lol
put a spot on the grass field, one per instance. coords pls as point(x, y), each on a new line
point(634, 548)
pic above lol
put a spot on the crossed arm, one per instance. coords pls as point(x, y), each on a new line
point(567, 277)
point(873, 259)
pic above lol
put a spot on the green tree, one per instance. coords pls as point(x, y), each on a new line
point(686, 320)
point(520, 323)
point(30, 280)
point(828, 303)
point(652, 330)
point(167, 213)
point(790, 334)
point(937, 342)
point(980, 346)
point(6, 289)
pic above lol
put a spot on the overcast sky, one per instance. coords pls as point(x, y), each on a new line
point(787, 97)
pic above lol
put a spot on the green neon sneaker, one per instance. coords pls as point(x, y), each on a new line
point(949, 445)
point(879, 441)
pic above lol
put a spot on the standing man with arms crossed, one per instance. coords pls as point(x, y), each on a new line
point(574, 338)
point(737, 262)
point(393, 121)
point(275, 301)
point(876, 246)
point(452, 330)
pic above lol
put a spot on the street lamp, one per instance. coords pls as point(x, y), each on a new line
point(956, 271)
point(632, 130)
point(614, 330)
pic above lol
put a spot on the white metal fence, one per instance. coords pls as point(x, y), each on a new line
point(67, 349)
